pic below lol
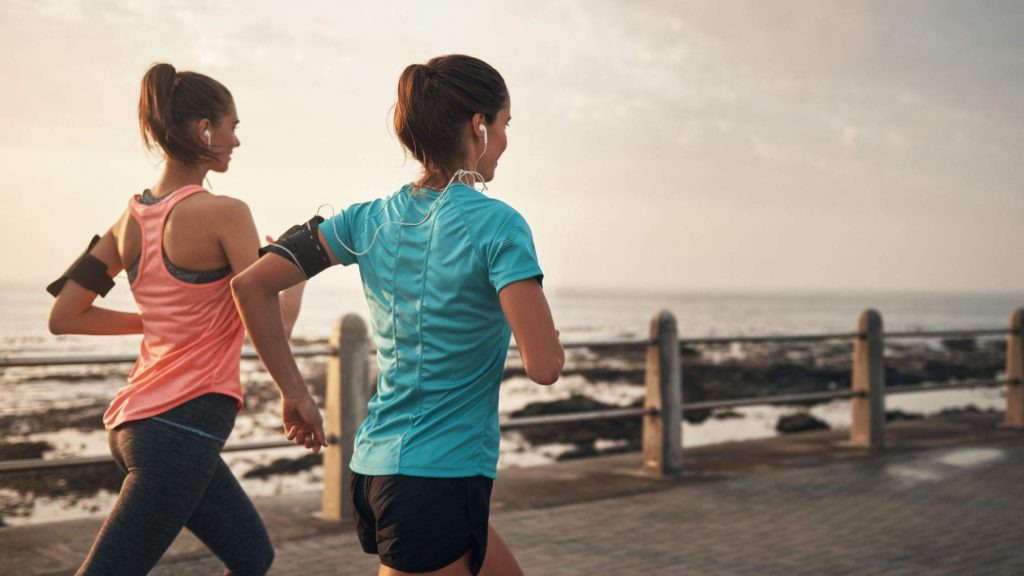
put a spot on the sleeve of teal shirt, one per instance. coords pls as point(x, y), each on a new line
point(511, 255)
point(337, 230)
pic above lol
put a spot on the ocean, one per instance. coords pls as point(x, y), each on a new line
point(579, 314)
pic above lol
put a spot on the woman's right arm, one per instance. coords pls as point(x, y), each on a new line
point(256, 290)
point(73, 311)
point(527, 311)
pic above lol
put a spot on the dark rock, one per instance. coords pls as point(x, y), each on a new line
point(590, 450)
point(801, 422)
point(727, 415)
point(960, 344)
point(593, 374)
point(970, 409)
point(688, 352)
point(86, 418)
point(896, 415)
point(579, 433)
point(73, 483)
point(693, 391)
point(23, 450)
point(286, 466)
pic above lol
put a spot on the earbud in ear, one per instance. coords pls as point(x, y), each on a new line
point(483, 129)
point(209, 139)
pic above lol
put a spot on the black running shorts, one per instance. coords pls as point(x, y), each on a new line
point(417, 524)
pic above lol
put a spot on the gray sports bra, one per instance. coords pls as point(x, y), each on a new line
point(189, 276)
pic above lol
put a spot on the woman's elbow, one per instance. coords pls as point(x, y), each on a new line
point(56, 324)
point(243, 288)
point(546, 373)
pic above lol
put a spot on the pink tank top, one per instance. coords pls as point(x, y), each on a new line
point(191, 333)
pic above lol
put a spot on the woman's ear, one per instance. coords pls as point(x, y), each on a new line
point(203, 127)
point(479, 126)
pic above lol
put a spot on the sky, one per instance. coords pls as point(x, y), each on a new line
point(654, 145)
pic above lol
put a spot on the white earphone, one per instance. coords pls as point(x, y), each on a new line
point(484, 130)
point(209, 139)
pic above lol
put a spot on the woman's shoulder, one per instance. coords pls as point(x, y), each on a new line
point(487, 218)
point(482, 205)
point(215, 208)
point(225, 205)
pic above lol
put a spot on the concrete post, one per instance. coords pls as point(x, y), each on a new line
point(868, 426)
point(663, 428)
point(1015, 371)
point(348, 387)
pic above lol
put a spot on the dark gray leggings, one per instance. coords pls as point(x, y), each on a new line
point(176, 478)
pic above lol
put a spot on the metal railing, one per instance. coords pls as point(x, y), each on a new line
point(349, 385)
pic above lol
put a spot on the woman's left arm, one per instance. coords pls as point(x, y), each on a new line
point(72, 311)
point(256, 294)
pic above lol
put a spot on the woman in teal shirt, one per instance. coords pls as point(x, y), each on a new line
point(449, 274)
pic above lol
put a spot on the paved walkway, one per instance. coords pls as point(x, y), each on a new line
point(947, 498)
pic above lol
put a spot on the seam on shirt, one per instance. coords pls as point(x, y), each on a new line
point(419, 319)
point(478, 249)
point(343, 254)
point(483, 440)
point(394, 321)
point(518, 276)
point(379, 211)
point(142, 247)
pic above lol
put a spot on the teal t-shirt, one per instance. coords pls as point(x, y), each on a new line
point(440, 332)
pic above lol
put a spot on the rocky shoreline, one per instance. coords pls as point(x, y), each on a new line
point(710, 372)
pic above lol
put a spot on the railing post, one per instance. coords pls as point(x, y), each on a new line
point(867, 428)
point(663, 428)
point(1015, 371)
point(348, 386)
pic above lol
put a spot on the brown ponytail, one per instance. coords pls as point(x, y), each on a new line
point(170, 101)
point(436, 98)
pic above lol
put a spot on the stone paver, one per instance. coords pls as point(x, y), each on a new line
point(956, 510)
point(945, 498)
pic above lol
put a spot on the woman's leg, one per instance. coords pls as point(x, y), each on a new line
point(499, 561)
point(227, 522)
point(168, 471)
point(437, 526)
point(169, 461)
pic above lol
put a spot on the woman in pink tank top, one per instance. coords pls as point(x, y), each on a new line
point(180, 246)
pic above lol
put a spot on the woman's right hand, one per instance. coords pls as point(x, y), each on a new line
point(303, 423)
point(256, 291)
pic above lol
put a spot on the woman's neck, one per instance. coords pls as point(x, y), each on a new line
point(177, 175)
point(433, 182)
point(439, 180)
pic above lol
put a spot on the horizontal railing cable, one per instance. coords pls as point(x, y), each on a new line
point(777, 399)
point(947, 333)
point(615, 343)
point(35, 361)
point(33, 464)
point(951, 385)
point(574, 417)
point(755, 339)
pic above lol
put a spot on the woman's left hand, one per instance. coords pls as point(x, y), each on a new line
point(303, 423)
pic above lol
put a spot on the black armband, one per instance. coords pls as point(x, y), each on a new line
point(87, 271)
point(301, 246)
